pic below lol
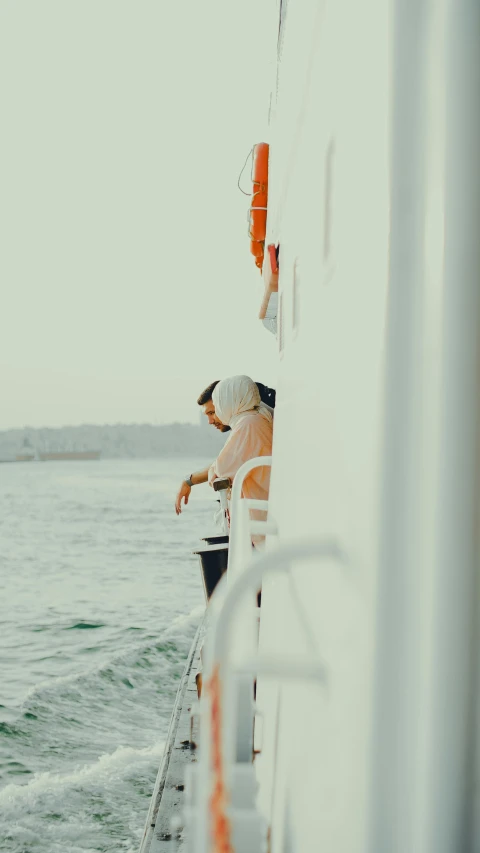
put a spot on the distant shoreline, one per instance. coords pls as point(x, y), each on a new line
point(117, 441)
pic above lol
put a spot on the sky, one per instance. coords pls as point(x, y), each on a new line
point(126, 283)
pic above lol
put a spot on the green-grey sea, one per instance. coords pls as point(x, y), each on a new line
point(100, 598)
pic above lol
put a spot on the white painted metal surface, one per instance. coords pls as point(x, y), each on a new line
point(423, 788)
point(329, 211)
point(248, 829)
point(241, 522)
point(374, 198)
point(245, 619)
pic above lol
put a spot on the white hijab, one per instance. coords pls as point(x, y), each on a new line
point(236, 396)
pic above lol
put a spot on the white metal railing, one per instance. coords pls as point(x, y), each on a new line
point(245, 620)
point(242, 527)
point(248, 833)
point(241, 531)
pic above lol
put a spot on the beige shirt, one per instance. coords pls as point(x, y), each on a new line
point(251, 436)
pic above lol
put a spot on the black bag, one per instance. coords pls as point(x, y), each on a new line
point(267, 395)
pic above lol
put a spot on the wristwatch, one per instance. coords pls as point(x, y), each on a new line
point(188, 480)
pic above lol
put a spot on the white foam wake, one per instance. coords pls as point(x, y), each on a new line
point(109, 769)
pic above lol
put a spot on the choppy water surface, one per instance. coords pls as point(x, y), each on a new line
point(100, 598)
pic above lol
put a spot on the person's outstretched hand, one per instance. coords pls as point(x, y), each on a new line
point(184, 492)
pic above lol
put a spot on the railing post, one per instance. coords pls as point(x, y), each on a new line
point(239, 701)
point(221, 485)
point(240, 538)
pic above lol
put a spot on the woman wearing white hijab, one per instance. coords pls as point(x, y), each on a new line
point(238, 405)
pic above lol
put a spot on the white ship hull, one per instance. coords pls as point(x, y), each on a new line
point(374, 199)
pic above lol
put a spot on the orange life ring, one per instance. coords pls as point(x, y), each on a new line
point(258, 209)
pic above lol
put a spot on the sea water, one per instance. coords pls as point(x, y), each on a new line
point(100, 598)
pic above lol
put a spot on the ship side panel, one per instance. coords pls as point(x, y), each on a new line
point(331, 220)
